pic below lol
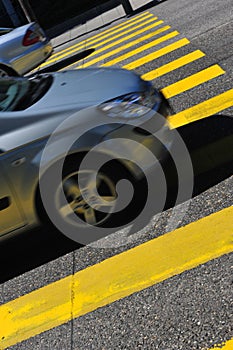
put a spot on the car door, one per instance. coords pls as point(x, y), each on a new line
point(10, 216)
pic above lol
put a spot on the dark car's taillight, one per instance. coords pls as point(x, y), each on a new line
point(31, 37)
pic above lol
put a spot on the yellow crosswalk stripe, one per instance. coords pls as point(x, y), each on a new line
point(117, 277)
point(202, 110)
point(97, 40)
point(192, 81)
point(120, 27)
point(228, 345)
point(127, 28)
point(171, 66)
point(141, 48)
point(120, 41)
point(113, 42)
point(134, 42)
point(152, 56)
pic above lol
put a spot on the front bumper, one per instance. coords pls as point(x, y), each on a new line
point(142, 147)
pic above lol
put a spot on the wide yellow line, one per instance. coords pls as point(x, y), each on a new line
point(171, 66)
point(152, 56)
point(133, 43)
point(99, 38)
point(228, 345)
point(120, 41)
point(202, 110)
point(192, 81)
point(142, 48)
point(117, 277)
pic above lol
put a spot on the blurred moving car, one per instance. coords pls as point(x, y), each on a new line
point(22, 49)
point(30, 111)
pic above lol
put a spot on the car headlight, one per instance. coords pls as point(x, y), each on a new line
point(132, 105)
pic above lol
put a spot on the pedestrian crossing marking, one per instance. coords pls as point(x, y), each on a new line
point(97, 40)
point(51, 305)
point(141, 48)
point(122, 40)
point(202, 110)
point(116, 40)
point(192, 81)
point(133, 52)
point(152, 56)
point(120, 27)
point(112, 40)
point(173, 65)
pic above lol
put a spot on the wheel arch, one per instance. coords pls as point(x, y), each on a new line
point(8, 69)
point(78, 156)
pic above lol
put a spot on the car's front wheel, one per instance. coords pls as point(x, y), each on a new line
point(83, 200)
point(86, 195)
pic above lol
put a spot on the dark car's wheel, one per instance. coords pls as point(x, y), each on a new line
point(88, 204)
point(7, 72)
point(96, 204)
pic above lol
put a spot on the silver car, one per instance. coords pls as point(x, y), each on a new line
point(22, 49)
point(85, 107)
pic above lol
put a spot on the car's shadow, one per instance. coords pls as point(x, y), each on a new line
point(210, 143)
point(65, 62)
point(30, 250)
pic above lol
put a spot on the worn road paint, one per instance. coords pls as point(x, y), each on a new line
point(117, 277)
point(202, 110)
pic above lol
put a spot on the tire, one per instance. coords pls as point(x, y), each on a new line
point(89, 211)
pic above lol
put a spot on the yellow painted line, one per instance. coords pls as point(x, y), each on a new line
point(133, 43)
point(117, 277)
point(117, 28)
point(112, 38)
point(152, 56)
point(122, 26)
point(120, 41)
point(98, 39)
point(228, 345)
point(112, 30)
point(202, 110)
point(142, 48)
point(192, 81)
point(171, 66)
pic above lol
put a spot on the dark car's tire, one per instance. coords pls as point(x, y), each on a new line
point(7, 72)
point(108, 178)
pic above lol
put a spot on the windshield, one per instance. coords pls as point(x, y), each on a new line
point(11, 90)
point(17, 94)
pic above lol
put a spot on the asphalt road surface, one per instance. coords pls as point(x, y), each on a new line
point(189, 310)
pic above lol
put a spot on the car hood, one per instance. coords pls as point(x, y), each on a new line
point(81, 88)
point(71, 91)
